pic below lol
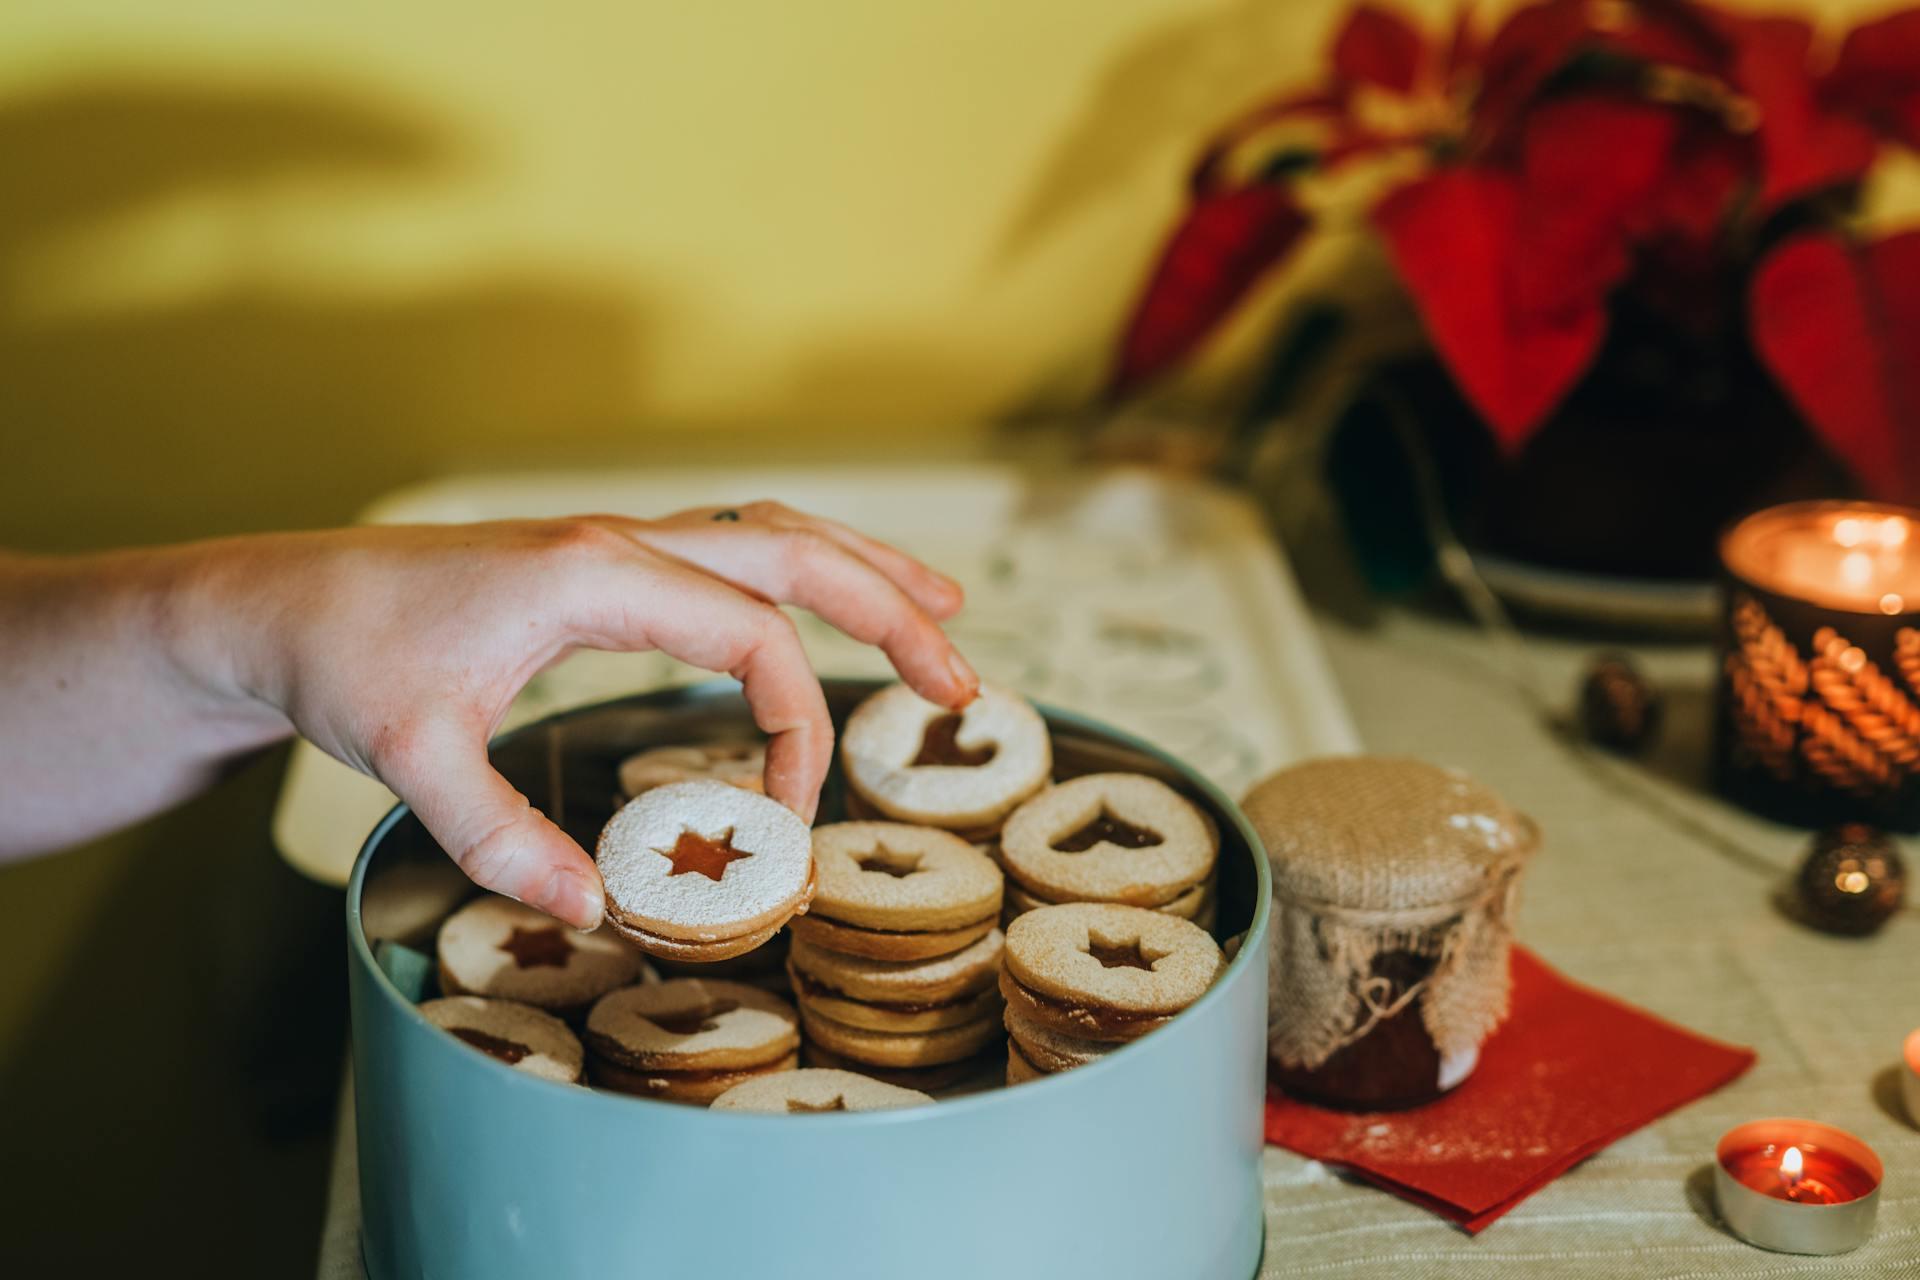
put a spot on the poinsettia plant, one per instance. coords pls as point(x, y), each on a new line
point(1578, 149)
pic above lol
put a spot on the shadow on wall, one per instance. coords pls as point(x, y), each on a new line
point(251, 404)
point(1167, 90)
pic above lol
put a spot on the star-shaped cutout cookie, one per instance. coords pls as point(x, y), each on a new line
point(887, 861)
point(1119, 955)
point(533, 948)
point(689, 1022)
point(694, 853)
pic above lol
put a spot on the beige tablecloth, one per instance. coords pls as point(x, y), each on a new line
point(1623, 898)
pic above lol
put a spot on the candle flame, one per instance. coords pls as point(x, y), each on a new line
point(1791, 1164)
point(1848, 532)
point(1852, 882)
point(1856, 568)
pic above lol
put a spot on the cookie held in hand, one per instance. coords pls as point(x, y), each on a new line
point(703, 871)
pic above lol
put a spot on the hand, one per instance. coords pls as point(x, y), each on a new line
point(399, 649)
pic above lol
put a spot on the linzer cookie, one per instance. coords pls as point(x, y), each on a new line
point(1036, 1050)
point(900, 1049)
point(1112, 837)
point(911, 760)
point(894, 892)
point(738, 764)
point(688, 1039)
point(899, 996)
point(704, 871)
point(525, 1038)
point(815, 1091)
point(496, 947)
point(1098, 971)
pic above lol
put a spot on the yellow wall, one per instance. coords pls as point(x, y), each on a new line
point(261, 260)
point(273, 258)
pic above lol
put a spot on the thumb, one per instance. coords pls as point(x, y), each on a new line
point(495, 834)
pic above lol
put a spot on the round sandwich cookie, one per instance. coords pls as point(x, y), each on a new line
point(738, 764)
point(1048, 1051)
point(688, 1039)
point(525, 1038)
point(1193, 905)
point(914, 761)
point(1097, 971)
point(899, 996)
point(764, 967)
point(496, 947)
point(896, 892)
point(1020, 1068)
point(1110, 837)
point(964, 1073)
point(817, 1091)
point(900, 1049)
point(702, 871)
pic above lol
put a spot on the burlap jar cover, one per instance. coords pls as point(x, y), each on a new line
point(1372, 856)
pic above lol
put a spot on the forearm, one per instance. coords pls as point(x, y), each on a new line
point(114, 686)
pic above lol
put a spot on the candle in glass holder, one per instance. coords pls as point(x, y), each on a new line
point(1797, 1186)
point(1817, 715)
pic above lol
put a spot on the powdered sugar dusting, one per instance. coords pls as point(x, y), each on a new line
point(884, 735)
point(639, 876)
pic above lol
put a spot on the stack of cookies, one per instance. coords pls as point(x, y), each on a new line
point(689, 1039)
point(894, 966)
point(1083, 979)
point(1122, 838)
point(738, 764)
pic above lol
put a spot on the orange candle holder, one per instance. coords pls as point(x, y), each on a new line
point(1817, 706)
point(1797, 1186)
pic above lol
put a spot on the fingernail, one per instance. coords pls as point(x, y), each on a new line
point(964, 675)
point(576, 901)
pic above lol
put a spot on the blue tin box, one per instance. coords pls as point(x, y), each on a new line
point(1144, 1166)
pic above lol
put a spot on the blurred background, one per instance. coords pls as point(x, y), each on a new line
point(261, 263)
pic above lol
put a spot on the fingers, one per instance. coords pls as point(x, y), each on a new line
point(500, 840)
point(798, 565)
point(933, 591)
point(701, 620)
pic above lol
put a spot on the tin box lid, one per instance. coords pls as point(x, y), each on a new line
point(1386, 834)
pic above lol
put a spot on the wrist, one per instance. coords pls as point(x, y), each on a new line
point(211, 619)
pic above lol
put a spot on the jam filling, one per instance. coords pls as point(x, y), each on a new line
point(797, 1107)
point(692, 1021)
point(941, 746)
point(508, 1051)
point(885, 861)
point(1109, 829)
point(533, 948)
point(694, 853)
point(1124, 955)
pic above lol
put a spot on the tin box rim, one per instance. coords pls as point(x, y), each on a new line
point(1252, 944)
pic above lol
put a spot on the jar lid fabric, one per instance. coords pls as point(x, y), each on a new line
point(1385, 834)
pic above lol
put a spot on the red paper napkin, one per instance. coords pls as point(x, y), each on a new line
point(1569, 1072)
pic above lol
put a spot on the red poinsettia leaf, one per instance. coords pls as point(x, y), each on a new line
point(1839, 326)
point(1804, 147)
point(1533, 44)
point(1450, 235)
point(1226, 243)
point(1377, 46)
point(1589, 164)
point(1877, 76)
point(1708, 170)
point(1464, 46)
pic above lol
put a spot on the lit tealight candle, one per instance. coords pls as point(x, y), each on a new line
point(1796, 1186)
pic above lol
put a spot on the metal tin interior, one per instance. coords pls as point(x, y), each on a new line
point(1144, 1164)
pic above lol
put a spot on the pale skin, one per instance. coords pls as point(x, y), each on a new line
point(131, 680)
